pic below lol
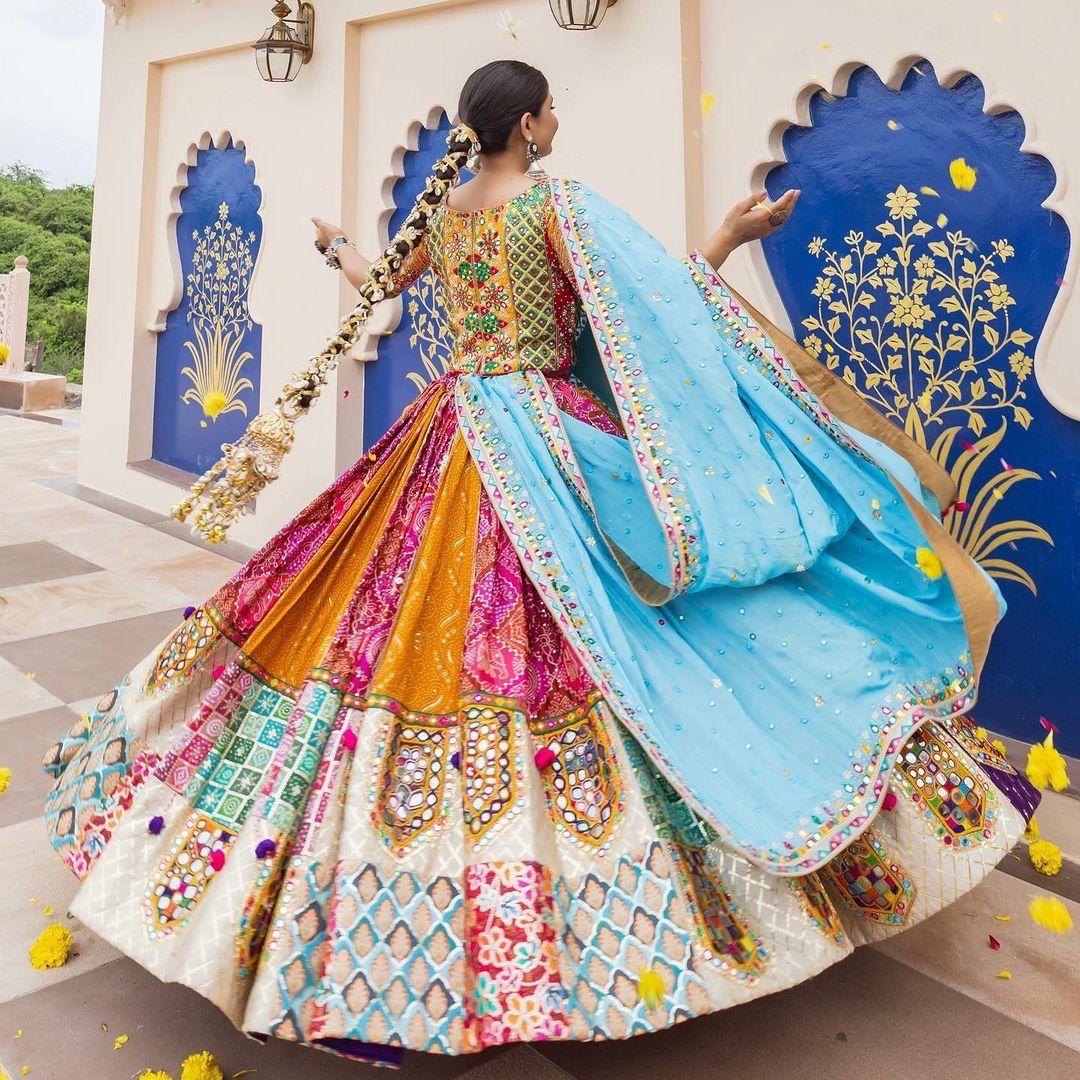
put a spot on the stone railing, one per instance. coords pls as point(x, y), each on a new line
point(14, 298)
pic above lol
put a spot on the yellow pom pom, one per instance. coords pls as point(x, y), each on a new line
point(1031, 833)
point(961, 174)
point(5, 776)
point(999, 746)
point(980, 732)
point(4, 352)
point(153, 1074)
point(1050, 913)
point(928, 562)
point(51, 947)
point(650, 988)
point(200, 1066)
point(1045, 857)
point(1045, 765)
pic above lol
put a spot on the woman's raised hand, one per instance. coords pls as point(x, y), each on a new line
point(324, 231)
point(754, 217)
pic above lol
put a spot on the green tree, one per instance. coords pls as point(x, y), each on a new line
point(51, 227)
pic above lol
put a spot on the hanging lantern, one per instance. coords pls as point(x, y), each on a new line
point(580, 14)
point(282, 51)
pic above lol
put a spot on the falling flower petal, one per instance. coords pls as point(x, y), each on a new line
point(47, 909)
point(5, 776)
point(1003, 918)
point(927, 190)
point(650, 988)
point(1003, 974)
point(1006, 466)
point(942, 221)
point(961, 174)
point(119, 1041)
point(894, 126)
point(966, 445)
point(994, 943)
point(1049, 726)
point(928, 562)
point(1050, 913)
point(708, 100)
point(765, 493)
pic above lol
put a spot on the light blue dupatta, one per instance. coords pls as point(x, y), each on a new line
point(733, 475)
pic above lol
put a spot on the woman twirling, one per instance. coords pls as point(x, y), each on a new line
point(624, 680)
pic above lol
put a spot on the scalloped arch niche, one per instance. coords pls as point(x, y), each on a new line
point(922, 267)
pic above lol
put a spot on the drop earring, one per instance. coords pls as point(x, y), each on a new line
point(532, 152)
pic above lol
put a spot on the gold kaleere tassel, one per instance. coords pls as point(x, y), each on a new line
point(226, 490)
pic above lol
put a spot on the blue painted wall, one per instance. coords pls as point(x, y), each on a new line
point(419, 347)
point(206, 383)
point(928, 292)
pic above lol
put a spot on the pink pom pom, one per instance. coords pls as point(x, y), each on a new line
point(543, 757)
point(889, 802)
point(217, 859)
point(348, 739)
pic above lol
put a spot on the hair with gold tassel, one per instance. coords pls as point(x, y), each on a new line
point(225, 491)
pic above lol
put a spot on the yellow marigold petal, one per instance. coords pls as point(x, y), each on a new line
point(153, 1074)
point(650, 988)
point(961, 174)
point(928, 562)
point(1003, 974)
point(51, 947)
point(1003, 918)
point(119, 1041)
point(1050, 913)
point(1045, 857)
point(200, 1066)
point(5, 776)
point(708, 100)
point(927, 190)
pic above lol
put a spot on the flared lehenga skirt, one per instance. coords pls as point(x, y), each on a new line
point(368, 797)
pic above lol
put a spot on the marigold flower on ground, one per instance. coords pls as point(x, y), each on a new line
point(51, 947)
point(201, 1066)
point(1045, 765)
point(1031, 833)
point(1045, 857)
point(5, 776)
point(1050, 913)
point(153, 1074)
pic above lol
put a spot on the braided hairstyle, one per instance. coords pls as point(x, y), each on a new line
point(492, 102)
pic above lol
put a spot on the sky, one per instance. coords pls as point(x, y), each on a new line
point(51, 86)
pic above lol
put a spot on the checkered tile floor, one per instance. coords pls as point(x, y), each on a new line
point(89, 584)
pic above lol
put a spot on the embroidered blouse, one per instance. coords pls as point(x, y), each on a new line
point(506, 284)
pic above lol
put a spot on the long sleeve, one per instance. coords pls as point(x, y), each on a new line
point(557, 245)
point(415, 263)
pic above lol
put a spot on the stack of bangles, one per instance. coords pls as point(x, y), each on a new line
point(330, 250)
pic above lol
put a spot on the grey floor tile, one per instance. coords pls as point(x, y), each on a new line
point(23, 740)
point(85, 662)
point(39, 560)
point(866, 1016)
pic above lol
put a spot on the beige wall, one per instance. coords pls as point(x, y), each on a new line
point(177, 75)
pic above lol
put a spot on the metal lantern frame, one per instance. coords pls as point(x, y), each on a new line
point(580, 14)
point(281, 45)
